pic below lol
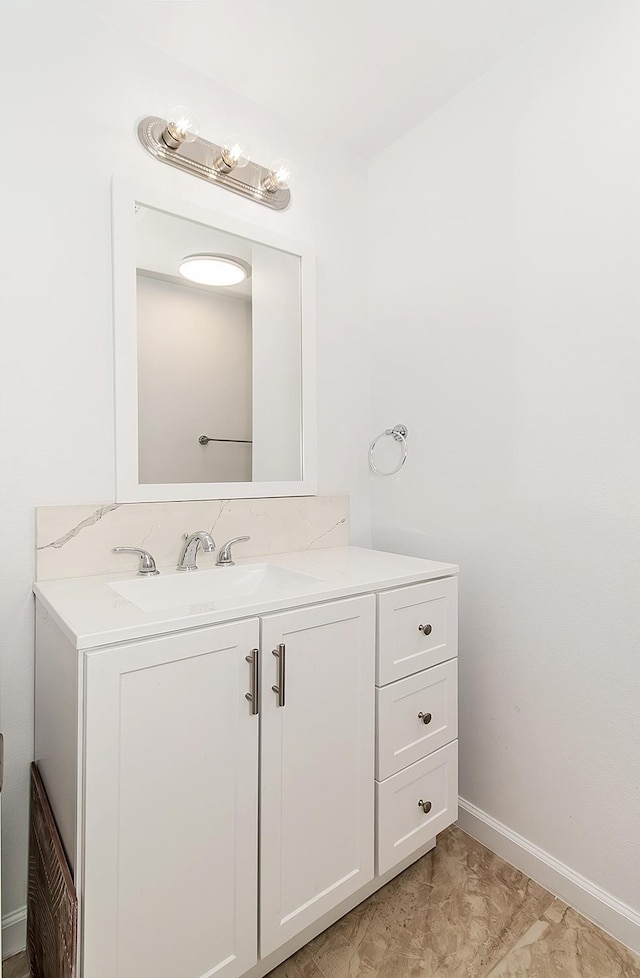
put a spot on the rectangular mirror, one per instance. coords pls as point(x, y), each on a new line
point(214, 355)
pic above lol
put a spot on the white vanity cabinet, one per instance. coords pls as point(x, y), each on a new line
point(226, 791)
point(166, 830)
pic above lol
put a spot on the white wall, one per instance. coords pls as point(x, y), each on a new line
point(77, 88)
point(277, 352)
point(506, 322)
point(194, 378)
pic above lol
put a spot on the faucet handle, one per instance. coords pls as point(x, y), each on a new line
point(224, 555)
point(147, 566)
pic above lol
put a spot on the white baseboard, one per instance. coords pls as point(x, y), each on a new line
point(618, 919)
point(14, 932)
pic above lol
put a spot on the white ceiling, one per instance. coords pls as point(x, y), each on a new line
point(358, 72)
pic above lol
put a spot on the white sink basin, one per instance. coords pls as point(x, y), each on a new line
point(210, 589)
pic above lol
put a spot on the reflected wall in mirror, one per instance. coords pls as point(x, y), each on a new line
point(214, 382)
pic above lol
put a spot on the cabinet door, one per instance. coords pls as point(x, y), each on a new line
point(171, 771)
point(317, 764)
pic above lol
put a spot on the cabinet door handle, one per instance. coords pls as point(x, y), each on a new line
point(254, 694)
point(425, 629)
point(280, 656)
point(425, 806)
point(425, 717)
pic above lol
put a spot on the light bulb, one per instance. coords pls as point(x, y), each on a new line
point(182, 126)
point(280, 176)
point(235, 152)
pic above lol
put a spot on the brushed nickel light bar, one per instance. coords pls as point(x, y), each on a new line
point(175, 141)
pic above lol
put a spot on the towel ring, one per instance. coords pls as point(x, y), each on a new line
point(399, 433)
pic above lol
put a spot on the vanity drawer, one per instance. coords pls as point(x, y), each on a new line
point(417, 628)
point(403, 825)
point(415, 716)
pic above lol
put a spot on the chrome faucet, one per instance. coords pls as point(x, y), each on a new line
point(187, 561)
point(224, 557)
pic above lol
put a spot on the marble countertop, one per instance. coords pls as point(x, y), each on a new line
point(92, 614)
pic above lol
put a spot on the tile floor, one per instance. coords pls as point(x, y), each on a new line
point(15, 967)
point(460, 912)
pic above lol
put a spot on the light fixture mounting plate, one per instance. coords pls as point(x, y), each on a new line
point(198, 158)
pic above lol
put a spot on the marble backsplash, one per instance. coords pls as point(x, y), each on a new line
point(76, 541)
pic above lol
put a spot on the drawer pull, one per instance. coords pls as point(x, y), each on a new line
point(425, 629)
point(425, 806)
point(425, 717)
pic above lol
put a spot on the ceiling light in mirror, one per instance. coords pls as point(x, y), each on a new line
point(216, 270)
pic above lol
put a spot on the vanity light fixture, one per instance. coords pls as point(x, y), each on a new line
point(176, 141)
point(216, 270)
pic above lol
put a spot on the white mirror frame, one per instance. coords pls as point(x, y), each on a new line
point(128, 488)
